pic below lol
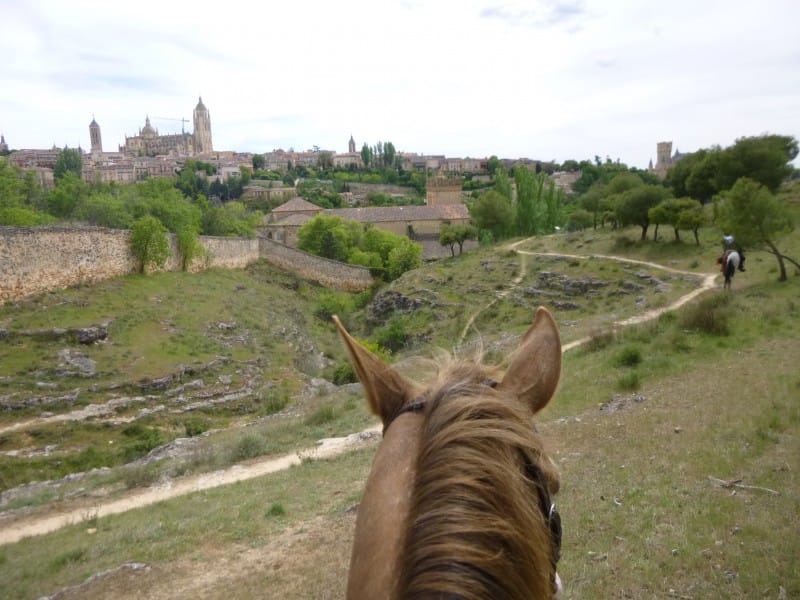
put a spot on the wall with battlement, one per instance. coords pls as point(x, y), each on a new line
point(325, 272)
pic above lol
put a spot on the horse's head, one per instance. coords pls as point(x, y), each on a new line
point(459, 493)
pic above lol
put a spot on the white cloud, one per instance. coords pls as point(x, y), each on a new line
point(548, 79)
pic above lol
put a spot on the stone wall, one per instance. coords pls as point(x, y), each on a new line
point(325, 272)
point(38, 259)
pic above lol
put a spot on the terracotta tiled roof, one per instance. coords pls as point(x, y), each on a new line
point(377, 214)
point(296, 205)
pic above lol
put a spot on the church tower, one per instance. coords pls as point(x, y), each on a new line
point(95, 137)
point(351, 145)
point(202, 129)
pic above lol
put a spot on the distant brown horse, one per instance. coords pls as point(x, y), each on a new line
point(458, 501)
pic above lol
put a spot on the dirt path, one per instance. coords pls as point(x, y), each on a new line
point(325, 448)
point(186, 485)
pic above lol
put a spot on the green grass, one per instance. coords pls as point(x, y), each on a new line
point(717, 379)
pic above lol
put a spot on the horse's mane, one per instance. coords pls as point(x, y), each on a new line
point(475, 526)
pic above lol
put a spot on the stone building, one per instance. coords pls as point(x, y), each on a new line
point(664, 159)
point(149, 142)
point(95, 137)
point(442, 189)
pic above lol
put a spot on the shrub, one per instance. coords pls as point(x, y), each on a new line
point(276, 509)
point(149, 243)
point(248, 447)
point(629, 356)
point(324, 414)
point(344, 373)
point(393, 337)
point(629, 382)
point(599, 339)
point(711, 315)
point(333, 303)
point(274, 401)
point(195, 426)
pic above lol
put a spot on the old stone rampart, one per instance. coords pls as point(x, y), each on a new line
point(329, 273)
point(38, 259)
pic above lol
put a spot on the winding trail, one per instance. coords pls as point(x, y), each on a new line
point(326, 448)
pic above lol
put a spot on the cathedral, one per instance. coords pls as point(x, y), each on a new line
point(150, 143)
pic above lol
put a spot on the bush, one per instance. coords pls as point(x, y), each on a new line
point(333, 303)
point(149, 243)
point(195, 426)
point(629, 382)
point(276, 509)
point(629, 356)
point(711, 315)
point(344, 373)
point(274, 401)
point(324, 414)
point(393, 337)
point(249, 446)
point(599, 339)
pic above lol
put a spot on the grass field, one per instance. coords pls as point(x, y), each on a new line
point(678, 440)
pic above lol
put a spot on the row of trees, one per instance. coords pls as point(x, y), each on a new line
point(537, 206)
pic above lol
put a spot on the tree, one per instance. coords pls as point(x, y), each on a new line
point(149, 243)
point(765, 159)
point(329, 236)
point(405, 256)
point(389, 154)
point(65, 196)
point(258, 162)
point(493, 212)
point(366, 155)
point(69, 160)
point(493, 164)
point(325, 159)
point(189, 247)
point(755, 218)
point(692, 218)
point(450, 235)
point(579, 219)
point(669, 211)
point(103, 209)
point(633, 206)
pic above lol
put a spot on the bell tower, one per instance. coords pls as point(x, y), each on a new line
point(202, 129)
point(95, 137)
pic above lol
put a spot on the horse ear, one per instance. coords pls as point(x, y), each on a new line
point(387, 391)
point(535, 368)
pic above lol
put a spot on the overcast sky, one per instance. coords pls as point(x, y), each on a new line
point(543, 79)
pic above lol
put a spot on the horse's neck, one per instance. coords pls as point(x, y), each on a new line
point(383, 512)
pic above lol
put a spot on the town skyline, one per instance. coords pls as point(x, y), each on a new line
point(540, 79)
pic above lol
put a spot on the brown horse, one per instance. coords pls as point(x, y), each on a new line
point(457, 504)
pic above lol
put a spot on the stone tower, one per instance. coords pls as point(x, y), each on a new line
point(663, 153)
point(351, 145)
point(95, 137)
point(202, 129)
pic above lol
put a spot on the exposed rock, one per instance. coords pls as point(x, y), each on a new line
point(390, 301)
point(73, 363)
point(564, 305)
point(620, 402)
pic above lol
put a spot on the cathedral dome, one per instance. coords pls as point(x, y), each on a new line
point(148, 128)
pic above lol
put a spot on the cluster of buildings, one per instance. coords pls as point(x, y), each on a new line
point(146, 154)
